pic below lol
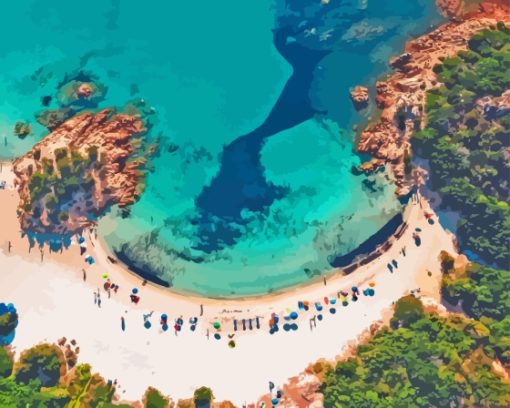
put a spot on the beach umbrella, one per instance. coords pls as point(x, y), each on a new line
point(354, 298)
point(286, 327)
point(371, 292)
point(371, 284)
point(354, 288)
point(147, 324)
point(216, 325)
point(332, 301)
point(165, 327)
point(274, 401)
point(345, 303)
point(164, 316)
point(135, 291)
point(192, 327)
point(332, 310)
point(293, 315)
point(294, 326)
point(217, 336)
point(417, 229)
point(231, 343)
point(319, 316)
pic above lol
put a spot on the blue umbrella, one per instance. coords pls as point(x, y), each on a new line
point(332, 310)
point(147, 324)
point(135, 290)
point(294, 326)
point(274, 401)
point(319, 317)
point(293, 315)
point(217, 336)
point(165, 327)
point(286, 327)
point(164, 316)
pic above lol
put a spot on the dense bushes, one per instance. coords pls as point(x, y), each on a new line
point(43, 362)
point(426, 360)
point(466, 146)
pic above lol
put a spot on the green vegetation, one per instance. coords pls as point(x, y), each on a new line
point(423, 360)
point(8, 320)
point(6, 362)
point(53, 186)
point(203, 397)
point(465, 140)
point(154, 399)
point(43, 362)
point(484, 294)
point(483, 291)
point(37, 380)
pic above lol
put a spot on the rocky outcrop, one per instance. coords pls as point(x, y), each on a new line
point(74, 174)
point(494, 107)
point(359, 97)
point(401, 98)
point(450, 8)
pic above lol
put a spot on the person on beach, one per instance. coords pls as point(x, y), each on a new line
point(42, 254)
point(84, 275)
point(10, 246)
point(201, 310)
point(99, 301)
point(404, 250)
point(95, 298)
point(324, 281)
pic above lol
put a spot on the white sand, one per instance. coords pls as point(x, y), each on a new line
point(53, 301)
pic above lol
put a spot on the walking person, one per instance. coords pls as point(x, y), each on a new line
point(95, 298)
point(10, 246)
point(201, 310)
point(324, 281)
point(84, 275)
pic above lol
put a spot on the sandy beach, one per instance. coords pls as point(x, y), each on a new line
point(53, 300)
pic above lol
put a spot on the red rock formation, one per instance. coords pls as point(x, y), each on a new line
point(105, 145)
point(359, 96)
point(402, 97)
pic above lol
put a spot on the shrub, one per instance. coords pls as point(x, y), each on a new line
point(44, 362)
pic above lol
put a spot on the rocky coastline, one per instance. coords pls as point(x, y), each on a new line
point(401, 98)
point(87, 164)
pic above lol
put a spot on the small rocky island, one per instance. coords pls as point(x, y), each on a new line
point(87, 164)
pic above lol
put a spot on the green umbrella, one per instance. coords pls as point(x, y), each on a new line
point(216, 325)
point(417, 229)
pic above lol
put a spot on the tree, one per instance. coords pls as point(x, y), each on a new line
point(6, 362)
point(203, 397)
point(154, 399)
point(44, 362)
point(408, 310)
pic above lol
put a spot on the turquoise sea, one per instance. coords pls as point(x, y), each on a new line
point(253, 190)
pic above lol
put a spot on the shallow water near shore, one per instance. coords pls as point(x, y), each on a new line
point(253, 190)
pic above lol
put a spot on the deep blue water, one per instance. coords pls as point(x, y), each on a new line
point(254, 189)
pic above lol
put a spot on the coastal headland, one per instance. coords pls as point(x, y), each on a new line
point(56, 292)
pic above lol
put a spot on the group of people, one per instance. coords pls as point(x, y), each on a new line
point(288, 321)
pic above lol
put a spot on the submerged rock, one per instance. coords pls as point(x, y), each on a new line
point(22, 129)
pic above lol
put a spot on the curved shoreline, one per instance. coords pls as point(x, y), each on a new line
point(52, 294)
